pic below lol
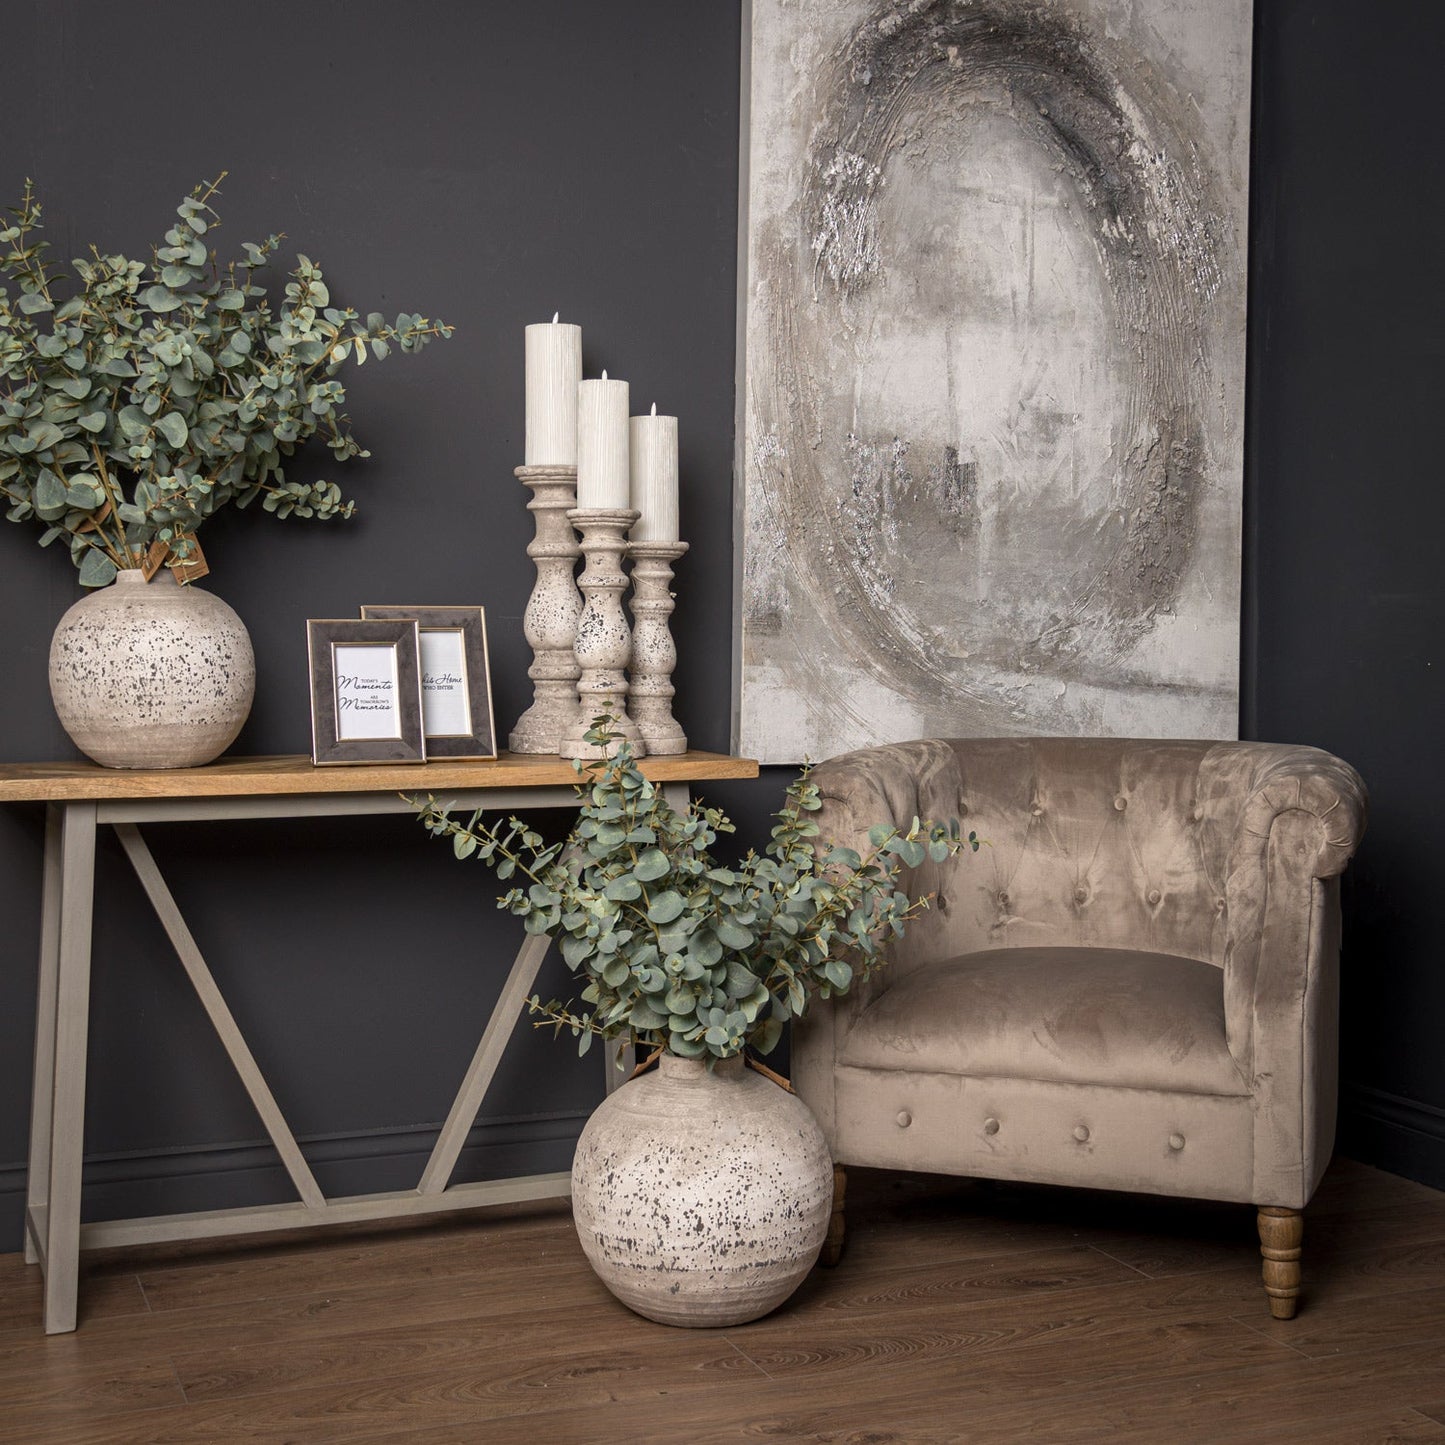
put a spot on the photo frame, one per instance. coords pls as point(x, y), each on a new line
point(456, 677)
point(365, 691)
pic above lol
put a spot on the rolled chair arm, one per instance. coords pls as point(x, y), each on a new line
point(1301, 821)
point(1309, 781)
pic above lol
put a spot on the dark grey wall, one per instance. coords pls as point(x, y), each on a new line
point(1345, 591)
point(484, 163)
point(491, 164)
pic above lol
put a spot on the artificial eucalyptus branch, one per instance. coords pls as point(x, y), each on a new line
point(157, 393)
point(686, 954)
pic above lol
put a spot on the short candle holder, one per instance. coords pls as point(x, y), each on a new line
point(553, 612)
point(654, 654)
point(604, 644)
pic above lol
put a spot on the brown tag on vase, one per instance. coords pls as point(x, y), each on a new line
point(192, 567)
point(154, 559)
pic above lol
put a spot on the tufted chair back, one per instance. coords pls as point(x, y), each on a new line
point(1151, 845)
point(1090, 843)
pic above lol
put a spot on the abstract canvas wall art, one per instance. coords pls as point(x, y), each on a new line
point(992, 389)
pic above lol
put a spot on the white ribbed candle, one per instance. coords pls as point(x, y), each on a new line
point(603, 476)
point(654, 477)
point(554, 367)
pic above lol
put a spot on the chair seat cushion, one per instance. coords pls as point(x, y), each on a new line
point(1106, 1016)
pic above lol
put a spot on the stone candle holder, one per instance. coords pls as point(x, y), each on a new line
point(553, 612)
point(604, 643)
point(654, 655)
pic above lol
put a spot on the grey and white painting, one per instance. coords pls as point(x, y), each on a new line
point(992, 386)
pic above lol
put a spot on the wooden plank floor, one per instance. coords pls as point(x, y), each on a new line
point(961, 1312)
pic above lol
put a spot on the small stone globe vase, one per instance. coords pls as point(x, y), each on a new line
point(702, 1195)
point(151, 674)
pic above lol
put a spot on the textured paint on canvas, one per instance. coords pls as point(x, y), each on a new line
point(993, 379)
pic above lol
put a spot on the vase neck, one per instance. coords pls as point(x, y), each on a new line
point(674, 1066)
point(133, 577)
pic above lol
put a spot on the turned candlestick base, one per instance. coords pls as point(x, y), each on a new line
point(654, 655)
point(604, 642)
point(553, 612)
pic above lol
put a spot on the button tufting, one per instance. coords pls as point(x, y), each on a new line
point(1003, 898)
point(1176, 1142)
point(904, 1118)
point(990, 1126)
point(1081, 1133)
point(943, 903)
point(1038, 811)
point(1081, 895)
point(1120, 803)
point(1154, 896)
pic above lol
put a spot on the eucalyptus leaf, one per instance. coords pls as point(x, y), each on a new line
point(733, 935)
point(96, 569)
point(644, 1016)
point(49, 497)
point(652, 865)
point(665, 907)
point(173, 427)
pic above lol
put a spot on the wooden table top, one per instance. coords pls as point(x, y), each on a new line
point(273, 776)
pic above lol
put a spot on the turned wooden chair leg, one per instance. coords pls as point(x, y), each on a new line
point(833, 1245)
point(1281, 1232)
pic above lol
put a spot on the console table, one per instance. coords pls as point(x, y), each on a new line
point(79, 798)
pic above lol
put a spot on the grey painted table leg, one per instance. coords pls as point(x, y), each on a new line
point(478, 1078)
point(42, 1096)
point(72, 1004)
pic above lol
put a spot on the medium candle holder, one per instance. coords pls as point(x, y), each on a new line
point(654, 655)
point(553, 612)
point(604, 643)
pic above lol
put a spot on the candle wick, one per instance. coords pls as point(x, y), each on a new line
point(654, 408)
point(555, 315)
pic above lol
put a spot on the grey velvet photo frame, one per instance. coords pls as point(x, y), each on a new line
point(456, 681)
point(365, 691)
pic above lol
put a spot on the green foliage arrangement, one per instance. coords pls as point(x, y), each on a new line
point(691, 956)
point(156, 393)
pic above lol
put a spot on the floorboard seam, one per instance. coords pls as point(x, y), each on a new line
point(171, 1361)
point(1099, 1249)
point(759, 1368)
point(1252, 1324)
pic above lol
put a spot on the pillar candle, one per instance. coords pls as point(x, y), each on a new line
point(554, 367)
point(603, 477)
point(654, 477)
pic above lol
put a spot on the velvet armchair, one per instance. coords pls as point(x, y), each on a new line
point(1132, 986)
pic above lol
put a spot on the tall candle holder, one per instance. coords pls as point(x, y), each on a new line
point(553, 612)
point(654, 655)
point(604, 643)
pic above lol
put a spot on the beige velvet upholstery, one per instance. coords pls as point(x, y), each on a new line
point(1133, 985)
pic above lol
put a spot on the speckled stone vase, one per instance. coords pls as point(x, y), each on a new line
point(702, 1197)
point(151, 674)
